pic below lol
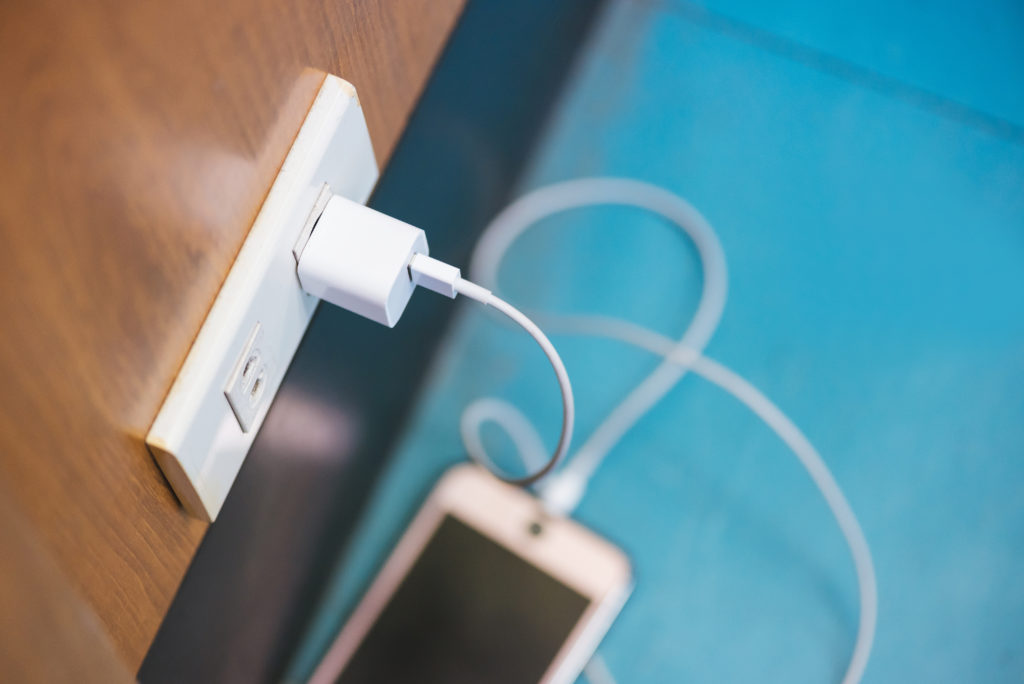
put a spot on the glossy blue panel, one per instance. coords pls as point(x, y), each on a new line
point(970, 53)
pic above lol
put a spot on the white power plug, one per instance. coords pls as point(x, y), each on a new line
point(358, 259)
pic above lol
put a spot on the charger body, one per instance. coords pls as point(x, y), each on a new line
point(358, 258)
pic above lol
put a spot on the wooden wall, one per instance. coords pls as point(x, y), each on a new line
point(137, 142)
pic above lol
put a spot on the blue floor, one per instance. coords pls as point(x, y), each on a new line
point(864, 168)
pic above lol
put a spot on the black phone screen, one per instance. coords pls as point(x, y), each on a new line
point(469, 611)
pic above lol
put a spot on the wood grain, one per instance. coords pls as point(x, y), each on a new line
point(138, 141)
point(41, 615)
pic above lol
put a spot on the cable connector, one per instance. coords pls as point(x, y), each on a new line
point(562, 492)
point(438, 276)
point(434, 275)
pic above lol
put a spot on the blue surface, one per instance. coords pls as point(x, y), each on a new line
point(876, 251)
point(969, 53)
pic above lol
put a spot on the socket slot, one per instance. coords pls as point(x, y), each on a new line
point(245, 389)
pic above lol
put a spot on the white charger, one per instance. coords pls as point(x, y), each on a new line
point(358, 259)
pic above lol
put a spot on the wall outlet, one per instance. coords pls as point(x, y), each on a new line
point(246, 390)
point(218, 402)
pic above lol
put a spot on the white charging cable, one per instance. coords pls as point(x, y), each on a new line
point(370, 263)
point(514, 220)
point(564, 489)
point(444, 279)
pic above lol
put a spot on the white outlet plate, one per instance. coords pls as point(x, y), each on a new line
point(197, 438)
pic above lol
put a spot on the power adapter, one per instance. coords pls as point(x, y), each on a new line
point(358, 259)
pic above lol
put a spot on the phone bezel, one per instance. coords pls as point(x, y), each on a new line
point(563, 549)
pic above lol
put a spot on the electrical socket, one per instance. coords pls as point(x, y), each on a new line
point(246, 390)
point(225, 388)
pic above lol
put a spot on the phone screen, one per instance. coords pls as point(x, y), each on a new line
point(468, 611)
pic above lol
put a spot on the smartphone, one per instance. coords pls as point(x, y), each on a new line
point(483, 588)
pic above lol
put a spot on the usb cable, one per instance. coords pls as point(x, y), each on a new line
point(563, 491)
point(370, 263)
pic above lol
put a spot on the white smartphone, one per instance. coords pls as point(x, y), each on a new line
point(482, 588)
